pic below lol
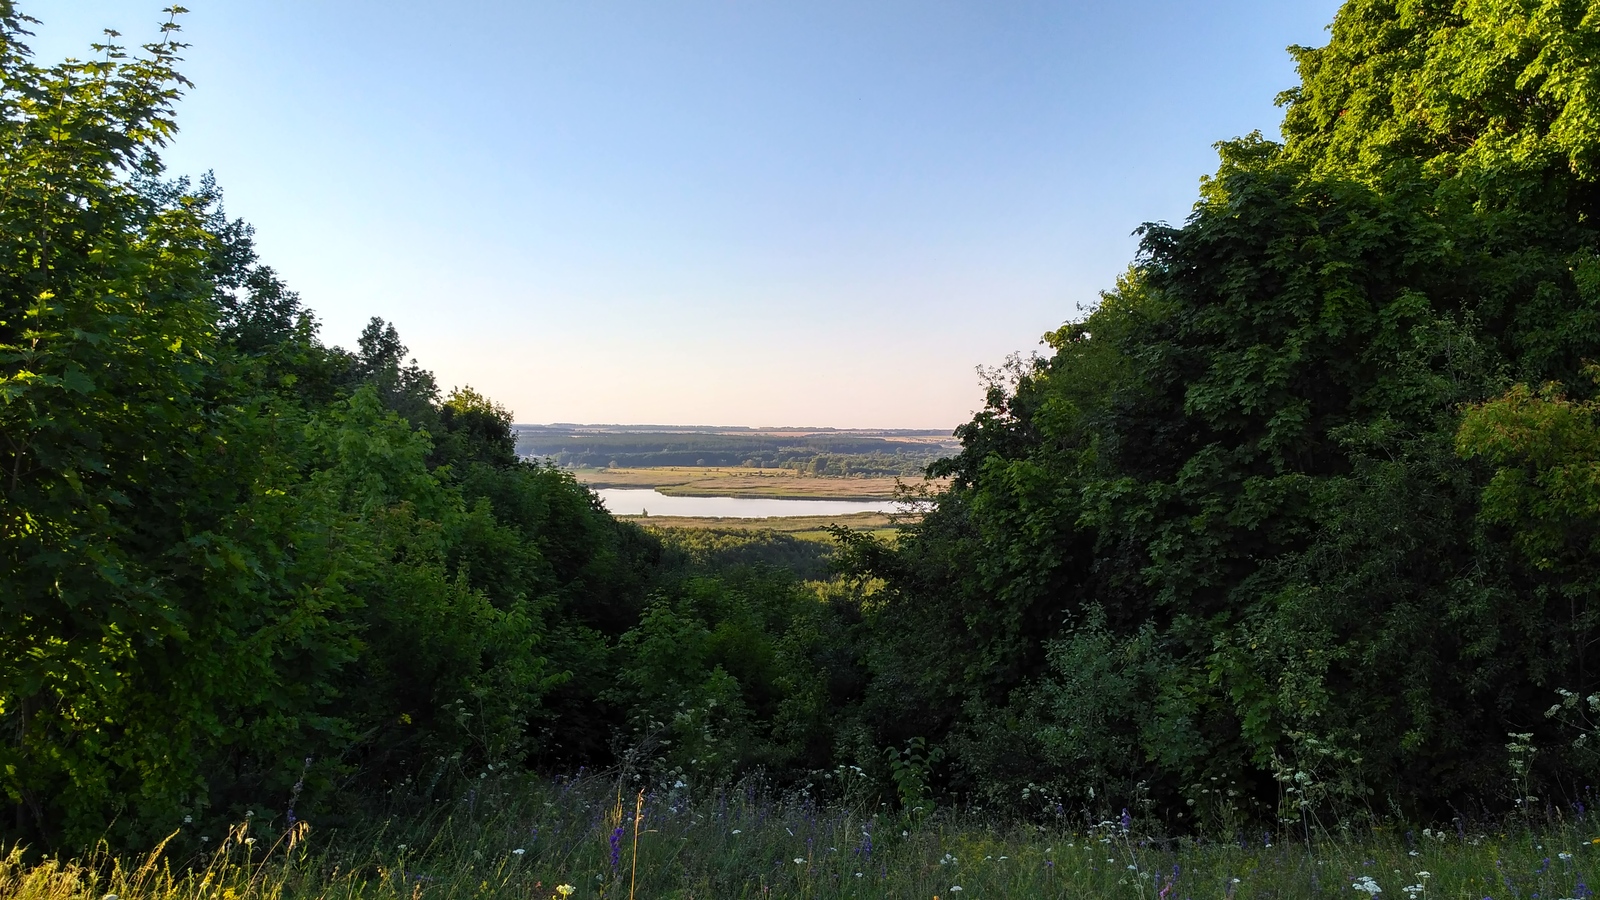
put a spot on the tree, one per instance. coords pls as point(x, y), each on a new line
point(1240, 470)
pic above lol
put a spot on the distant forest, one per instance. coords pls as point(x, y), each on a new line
point(826, 453)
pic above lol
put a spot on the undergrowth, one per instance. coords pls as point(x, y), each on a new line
point(510, 836)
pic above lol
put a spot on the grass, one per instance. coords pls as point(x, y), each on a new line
point(522, 838)
point(777, 484)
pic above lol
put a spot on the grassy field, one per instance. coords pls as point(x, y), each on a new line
point(781, 484)
point(522, 838)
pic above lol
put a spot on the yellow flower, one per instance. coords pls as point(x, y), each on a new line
point(565, 890)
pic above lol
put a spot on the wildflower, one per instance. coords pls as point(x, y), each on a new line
point(1365, 883)
point(110, 897)
point(737, 831)
point(799, 860)
point(1564, 856)
point(565, 890)
point(249, 842)
point(1415, 853)
point(400, 847)
point(858, 874)
point(616, 848)
point(518, 852)
point(188, 820)
point(955, 888)
point(1424, 875)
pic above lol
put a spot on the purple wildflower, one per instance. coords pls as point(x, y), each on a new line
point(1127, 820)
point(616, 848)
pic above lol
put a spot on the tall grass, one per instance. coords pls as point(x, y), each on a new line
point(510, 837)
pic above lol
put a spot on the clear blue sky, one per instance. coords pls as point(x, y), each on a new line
point(810, 213)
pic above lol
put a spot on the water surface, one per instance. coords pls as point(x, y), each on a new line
point(635, 501)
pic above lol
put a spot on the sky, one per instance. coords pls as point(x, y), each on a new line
point(720, 212)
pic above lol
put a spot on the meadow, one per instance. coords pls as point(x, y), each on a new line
point(611, 835)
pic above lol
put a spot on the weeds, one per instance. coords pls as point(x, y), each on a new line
point(515, 837)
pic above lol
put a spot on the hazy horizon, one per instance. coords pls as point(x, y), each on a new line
point(709, 211)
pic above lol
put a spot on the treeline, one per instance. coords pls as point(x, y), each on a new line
point(1301, 524)
point(814, 454)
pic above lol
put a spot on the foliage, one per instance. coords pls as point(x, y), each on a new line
point(235, 571)
point(1296, 529)
point(718, 549)
point(1225, 522)
point(732, 672)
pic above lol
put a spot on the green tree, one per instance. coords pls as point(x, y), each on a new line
point(146, 601)
point(1240, 469)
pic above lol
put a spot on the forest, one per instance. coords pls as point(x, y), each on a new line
point(1295, 533)
point(810, 452)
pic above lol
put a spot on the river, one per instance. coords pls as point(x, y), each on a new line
point(635, 501)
